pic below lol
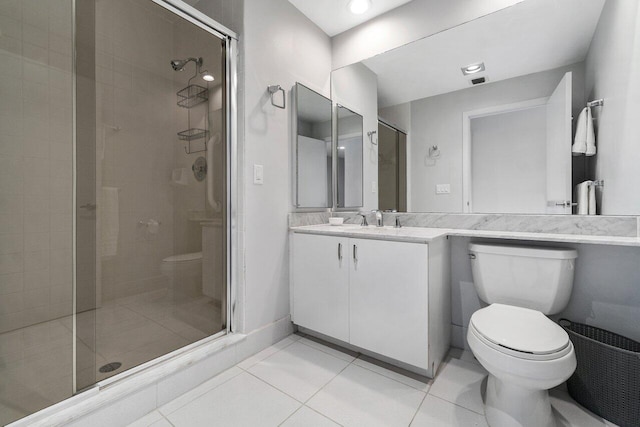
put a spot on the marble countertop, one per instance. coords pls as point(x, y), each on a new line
point(426, 235)
point(404, 234)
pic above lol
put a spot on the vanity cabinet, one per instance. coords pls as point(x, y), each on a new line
point(386, 298)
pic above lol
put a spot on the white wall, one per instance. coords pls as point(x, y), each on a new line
point(438, 121)
point(508, 162)
point(612, 70)
point(407, 23)
point(280, 46)
point(356, 88)
point(605, 289)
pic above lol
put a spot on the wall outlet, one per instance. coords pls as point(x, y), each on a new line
point(443, 188)
point(258, 174)
point(374, 187)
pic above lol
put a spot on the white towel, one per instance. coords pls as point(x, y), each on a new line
point(591, 135)
point(109, 222)
point(592, 199)
point(585, 139)
point(582, 197)
point(580, 141)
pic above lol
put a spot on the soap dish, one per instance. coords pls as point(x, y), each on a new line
point(336, 221)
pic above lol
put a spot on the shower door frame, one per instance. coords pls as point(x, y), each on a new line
point(230, 38)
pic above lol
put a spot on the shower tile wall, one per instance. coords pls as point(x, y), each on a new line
point(136, 132)
point(36, 150)
point(35, 162)
point(190, 200)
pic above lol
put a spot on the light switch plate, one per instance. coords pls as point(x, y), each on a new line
point(443, 188)
point(258, 174)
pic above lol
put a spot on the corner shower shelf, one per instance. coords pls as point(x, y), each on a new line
point(192, 95)
point(192, 134)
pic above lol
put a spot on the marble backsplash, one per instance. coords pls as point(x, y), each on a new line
point(619, 226)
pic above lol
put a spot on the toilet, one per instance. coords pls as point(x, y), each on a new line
point(184, 272)
point(524, 351)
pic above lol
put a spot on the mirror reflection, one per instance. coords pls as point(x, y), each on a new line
point(349, 158)
point(313, 149)
point(520, 111)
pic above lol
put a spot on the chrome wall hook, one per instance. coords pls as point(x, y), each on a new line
point(273, 89)
point(370, 135)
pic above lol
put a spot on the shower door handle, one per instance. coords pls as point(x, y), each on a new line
point(89, 206)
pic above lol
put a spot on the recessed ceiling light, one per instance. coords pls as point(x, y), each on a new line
point(358, 7)
point(473, 68)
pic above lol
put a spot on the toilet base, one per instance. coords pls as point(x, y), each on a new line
point(509, 405)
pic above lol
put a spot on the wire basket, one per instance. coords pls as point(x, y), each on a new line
point(607, 379)
point(192, 95)
point(192, 134)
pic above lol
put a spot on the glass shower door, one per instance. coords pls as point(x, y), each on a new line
point(151, 151)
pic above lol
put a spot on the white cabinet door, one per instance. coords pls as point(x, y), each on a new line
point(388, 299)
point(321, 284)
point(558, 148)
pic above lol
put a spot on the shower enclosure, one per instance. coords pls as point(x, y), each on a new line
point(115, 190)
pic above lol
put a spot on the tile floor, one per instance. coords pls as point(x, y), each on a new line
point(301, 382)
point(36, 362)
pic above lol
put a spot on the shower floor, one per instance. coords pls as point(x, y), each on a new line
point(36, 362)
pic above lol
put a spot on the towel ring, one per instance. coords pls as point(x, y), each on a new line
point(273, 89)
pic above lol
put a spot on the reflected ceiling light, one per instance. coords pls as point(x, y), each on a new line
point(358, 7)
point(340, 148)
point(473, 68)
point(207, 77)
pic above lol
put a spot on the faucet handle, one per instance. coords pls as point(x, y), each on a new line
point(398, 225)
point(364, 222)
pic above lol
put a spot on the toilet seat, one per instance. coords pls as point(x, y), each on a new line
point(520, 332)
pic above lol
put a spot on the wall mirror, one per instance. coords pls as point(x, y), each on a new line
point(493, 110)
point(313, 149)
point(348, 158)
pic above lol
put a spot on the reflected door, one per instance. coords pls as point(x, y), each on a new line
point(559, 148)
point(392, 169)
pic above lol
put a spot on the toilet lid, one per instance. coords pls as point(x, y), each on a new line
point(520, 329)
point(184, 257)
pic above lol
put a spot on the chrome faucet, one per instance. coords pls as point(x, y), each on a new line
point(379, 218)
point(398, 225)
point(364, 222)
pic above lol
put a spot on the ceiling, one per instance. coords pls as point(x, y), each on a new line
point(529, 37)
point(333, 16)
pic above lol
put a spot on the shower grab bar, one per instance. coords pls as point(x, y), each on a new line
point(273, 89)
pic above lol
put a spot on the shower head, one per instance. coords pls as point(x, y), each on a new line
point(179, 64)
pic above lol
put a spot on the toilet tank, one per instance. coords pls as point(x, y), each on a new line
point(533, 277)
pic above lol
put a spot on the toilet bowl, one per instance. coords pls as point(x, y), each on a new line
point(526, 354)
point(524, 351)
point(184, 272)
